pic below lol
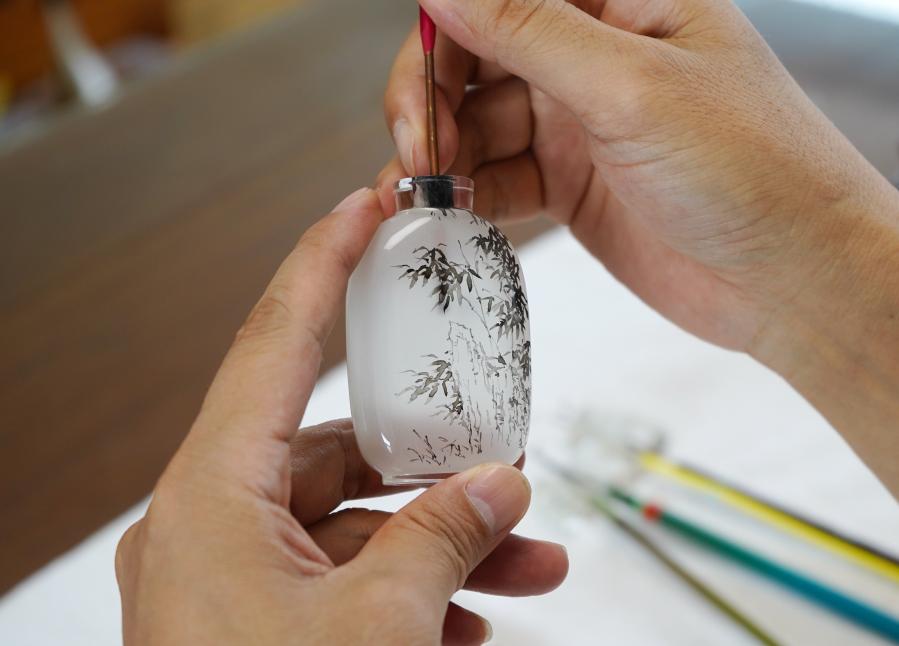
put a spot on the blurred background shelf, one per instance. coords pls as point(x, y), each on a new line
point(26, 51)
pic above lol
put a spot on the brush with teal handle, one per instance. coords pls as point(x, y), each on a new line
point(837, 602)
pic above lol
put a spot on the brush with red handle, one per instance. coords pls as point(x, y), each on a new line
point(428, 40)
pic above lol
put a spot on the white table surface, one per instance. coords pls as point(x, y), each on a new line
point(598, 350)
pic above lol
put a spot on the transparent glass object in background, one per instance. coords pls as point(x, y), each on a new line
point(438, 339)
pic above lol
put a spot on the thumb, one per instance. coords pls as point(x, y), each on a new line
point(433, 543)
point(552, 44)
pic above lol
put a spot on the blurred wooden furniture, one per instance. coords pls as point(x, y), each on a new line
point(25, 49)
point(193, 21)
point(25, 52)
point(135, 239)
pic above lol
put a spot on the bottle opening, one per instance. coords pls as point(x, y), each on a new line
point(434, 192)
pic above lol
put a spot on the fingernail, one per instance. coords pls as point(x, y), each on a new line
point(355, 199)
point(488, 631)
point(404, 138)
point(500, 495)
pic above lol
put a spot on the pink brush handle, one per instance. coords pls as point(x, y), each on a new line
point(428, 31)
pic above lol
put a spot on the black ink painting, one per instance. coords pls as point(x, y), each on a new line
point(479, 383)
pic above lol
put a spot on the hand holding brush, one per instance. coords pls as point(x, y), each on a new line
point(683, 156)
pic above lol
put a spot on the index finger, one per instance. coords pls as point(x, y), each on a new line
point(264, 384)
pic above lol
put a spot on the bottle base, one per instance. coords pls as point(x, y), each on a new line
point(416, 479)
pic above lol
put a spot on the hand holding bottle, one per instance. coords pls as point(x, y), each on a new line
point(239, 545)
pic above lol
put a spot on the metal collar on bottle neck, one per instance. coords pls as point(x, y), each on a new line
point(434, 192)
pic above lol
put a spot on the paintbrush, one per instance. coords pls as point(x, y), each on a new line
point(777, 515)
point(438, 194)
point(601, 504)
point(819, 593)
point(428, 44)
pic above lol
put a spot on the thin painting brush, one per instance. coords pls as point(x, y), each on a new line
point(439, 194)
point(789, 521)
point(600, 504)
point(837, 602)
point(428, 43)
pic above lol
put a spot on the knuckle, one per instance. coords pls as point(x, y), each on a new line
point(500, 200)
point(676, 87)
point(523, 24)
point(648, 95)
point(512, 17)
point(469, 120)
point(125, 553)
point(360, 524)
point(170, 492)
point(270, 315)
point(456, 538)
point(173, 504)
point(664, 65)
point(318, 242)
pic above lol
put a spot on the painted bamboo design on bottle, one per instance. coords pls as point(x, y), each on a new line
point(480, 382)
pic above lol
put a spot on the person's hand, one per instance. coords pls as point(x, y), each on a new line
point(238, 547)
point(665, 134)
point(682, 154)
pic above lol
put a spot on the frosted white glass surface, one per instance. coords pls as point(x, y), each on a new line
point(438, 347)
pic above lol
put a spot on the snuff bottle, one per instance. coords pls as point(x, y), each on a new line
point(438, 339)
